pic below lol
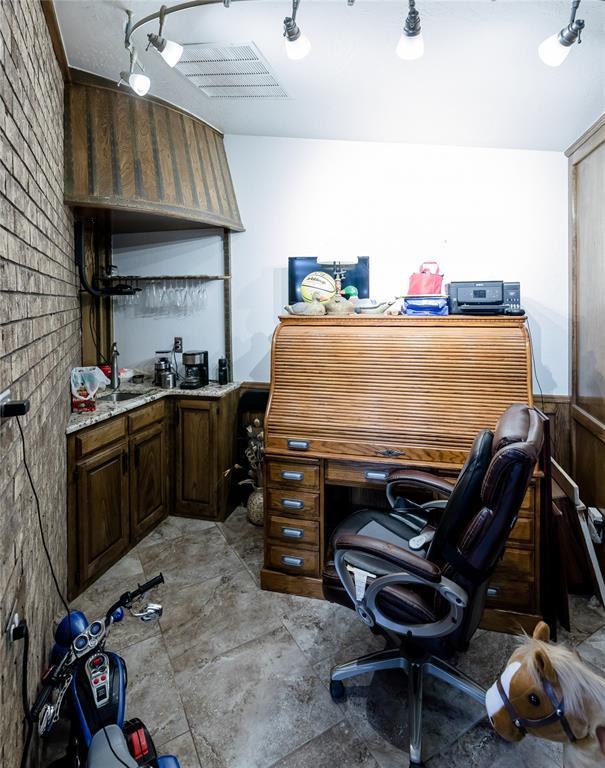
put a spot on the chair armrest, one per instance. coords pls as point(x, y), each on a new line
point(417, 479)
point(403, 558)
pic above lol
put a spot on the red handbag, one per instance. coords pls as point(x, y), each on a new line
point(426, 282)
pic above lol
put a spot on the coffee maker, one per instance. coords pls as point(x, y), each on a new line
point(196, 369)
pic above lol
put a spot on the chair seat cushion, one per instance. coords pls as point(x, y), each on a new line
point(385, 526)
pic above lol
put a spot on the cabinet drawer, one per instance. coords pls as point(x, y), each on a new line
point(516, 564)
point(357, 472)
point(145, 416)
point(290, 531)
point(511, 595)
point(293, 502)
point(528, 500)
point(290, 474)
point(292, 559)
point(92, 439)
point(523, 531)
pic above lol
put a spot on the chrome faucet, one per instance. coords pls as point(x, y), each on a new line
point(115, 376)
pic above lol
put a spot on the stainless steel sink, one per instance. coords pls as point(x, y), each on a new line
point(118, 397)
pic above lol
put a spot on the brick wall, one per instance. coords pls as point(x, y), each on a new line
point(39, 342)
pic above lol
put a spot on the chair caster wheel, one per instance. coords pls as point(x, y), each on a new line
point(337, 691)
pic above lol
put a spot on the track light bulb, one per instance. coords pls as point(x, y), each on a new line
point(410, 48)
point(170, 51)
point(297, 44)
point(139, 83)
point(297, 49)
point(552, 52)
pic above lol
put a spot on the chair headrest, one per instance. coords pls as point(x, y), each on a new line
point(518, 424)
point(517, 440)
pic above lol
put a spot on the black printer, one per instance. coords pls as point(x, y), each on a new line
point(490, 297)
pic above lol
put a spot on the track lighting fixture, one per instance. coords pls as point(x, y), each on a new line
point(411, 42)
point(139, 82)
point(170, 51)
point(555, 49)
point(297, 44)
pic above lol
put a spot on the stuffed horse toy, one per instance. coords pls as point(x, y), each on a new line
point(548, 691)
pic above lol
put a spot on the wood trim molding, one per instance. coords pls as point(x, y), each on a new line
point(50, 16)
point(594, 426)
point(587, 142)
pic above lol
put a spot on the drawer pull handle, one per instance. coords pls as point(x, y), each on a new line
point(288, 475)
point(493, 592)
point(373, 474)
point(296, 562)
point(298, 445)
point(292, 503)
point(293, 533)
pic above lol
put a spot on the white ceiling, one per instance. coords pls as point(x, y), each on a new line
point(480, 82)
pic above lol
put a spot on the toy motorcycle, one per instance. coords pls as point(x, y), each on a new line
point(92, 682)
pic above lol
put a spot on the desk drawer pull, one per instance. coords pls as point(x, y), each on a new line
point(292, 503)
point(493, 592)
point(373, 474)
point(295, 562)
point(298, 445)
point(287, 475)
point(293, 533)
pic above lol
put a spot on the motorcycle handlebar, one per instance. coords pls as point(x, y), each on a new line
point(142, 588)
point(127, 598)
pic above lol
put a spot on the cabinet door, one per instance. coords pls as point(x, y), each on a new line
point(103, 525)
point(195, 460)
point(147, 480)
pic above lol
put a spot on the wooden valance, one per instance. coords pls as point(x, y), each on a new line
point(125, 152)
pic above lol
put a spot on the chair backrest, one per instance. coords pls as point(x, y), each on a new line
point(465, 500)
point(469, 555)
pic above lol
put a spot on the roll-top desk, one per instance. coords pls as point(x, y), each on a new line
point(352, 398)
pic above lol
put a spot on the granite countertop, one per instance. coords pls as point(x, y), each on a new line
point(148, 394)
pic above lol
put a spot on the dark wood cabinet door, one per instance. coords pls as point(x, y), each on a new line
point(103, 524)
point(147, 480)
point(195, 468)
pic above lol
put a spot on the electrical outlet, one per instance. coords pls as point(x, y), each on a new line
point(178, 343)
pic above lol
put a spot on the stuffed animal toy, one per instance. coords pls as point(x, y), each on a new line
point(547, 691)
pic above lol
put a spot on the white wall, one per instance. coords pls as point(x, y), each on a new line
point(482, 213)
point(140, 333)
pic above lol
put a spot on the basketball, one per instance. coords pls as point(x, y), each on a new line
point(318, 283)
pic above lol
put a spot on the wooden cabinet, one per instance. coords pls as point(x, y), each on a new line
point(195, 471)
point(102, 498)
point(118, 480)
point(127, 473)
point(147, 480)
point(205, 453)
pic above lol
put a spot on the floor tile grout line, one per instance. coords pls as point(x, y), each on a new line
point(302, 746)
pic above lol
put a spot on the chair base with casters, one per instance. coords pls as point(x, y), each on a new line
point(429, 603)
point(415, 668)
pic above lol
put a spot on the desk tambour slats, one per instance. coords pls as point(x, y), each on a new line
point(378, 392)
point(431, 385)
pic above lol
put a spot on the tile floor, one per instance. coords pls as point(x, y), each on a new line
point(234, 677)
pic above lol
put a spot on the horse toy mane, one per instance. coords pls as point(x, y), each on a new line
point(548, 691)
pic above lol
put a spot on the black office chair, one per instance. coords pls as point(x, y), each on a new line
point(428, 604)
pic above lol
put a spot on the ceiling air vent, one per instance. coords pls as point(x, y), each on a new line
point(229, 71)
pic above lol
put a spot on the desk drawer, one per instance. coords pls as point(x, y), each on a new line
point(523, 531)
point(293, 502)
point(292, 559)
point(289, 531)
point(357, 472)
point(293, 474)
point(516, 564)
point(511, 595)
